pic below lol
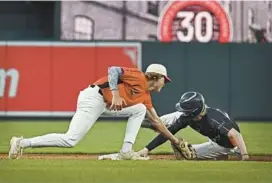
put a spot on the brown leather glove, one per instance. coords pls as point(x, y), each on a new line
point(183, 150)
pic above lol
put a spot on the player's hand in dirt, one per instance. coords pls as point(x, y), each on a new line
point(117, 102)
point(245, 157)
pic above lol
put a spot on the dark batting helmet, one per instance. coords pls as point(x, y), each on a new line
point(191, 104)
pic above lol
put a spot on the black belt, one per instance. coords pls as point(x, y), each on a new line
point(99, 91)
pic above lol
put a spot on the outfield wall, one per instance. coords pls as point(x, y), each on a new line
point(234, 77)
point(42, 79)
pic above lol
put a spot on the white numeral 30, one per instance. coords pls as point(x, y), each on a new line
point(197, 28)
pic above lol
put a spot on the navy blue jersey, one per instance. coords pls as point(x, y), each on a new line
point(215, 125)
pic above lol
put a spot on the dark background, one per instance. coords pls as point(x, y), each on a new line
point(233, 77)
point(26, 20)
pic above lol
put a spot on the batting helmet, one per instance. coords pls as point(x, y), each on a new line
point(191, 104)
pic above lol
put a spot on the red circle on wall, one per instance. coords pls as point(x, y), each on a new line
point(166, 20)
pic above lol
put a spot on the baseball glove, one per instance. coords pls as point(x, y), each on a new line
point(183, 150)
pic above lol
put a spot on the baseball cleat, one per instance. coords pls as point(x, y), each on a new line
point(143, 152)
point(131, 155)
point(108, 157)
point(15, 149)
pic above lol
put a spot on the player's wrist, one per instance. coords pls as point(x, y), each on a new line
point(174, 140)
point(115, 93)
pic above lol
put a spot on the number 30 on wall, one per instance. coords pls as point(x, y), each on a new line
point(193, 23)
point(201, 21)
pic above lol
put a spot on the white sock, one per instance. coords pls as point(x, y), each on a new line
point(25, 143)
point(127, 146)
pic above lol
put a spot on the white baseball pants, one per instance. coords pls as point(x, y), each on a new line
point(207, 150)
point(90, 106)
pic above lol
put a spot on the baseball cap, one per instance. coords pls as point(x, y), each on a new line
point(159, 69)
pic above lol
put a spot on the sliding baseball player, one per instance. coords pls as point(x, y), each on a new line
point(223, 133)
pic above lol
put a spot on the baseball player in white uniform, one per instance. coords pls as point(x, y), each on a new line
point(124, 92)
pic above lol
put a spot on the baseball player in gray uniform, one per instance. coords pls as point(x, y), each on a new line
point(223, 133)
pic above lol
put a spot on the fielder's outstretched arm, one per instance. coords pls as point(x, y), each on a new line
point(160, 139)
point(159, 126)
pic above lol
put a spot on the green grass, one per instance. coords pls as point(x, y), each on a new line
point(107, 137)
point(72, 171)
